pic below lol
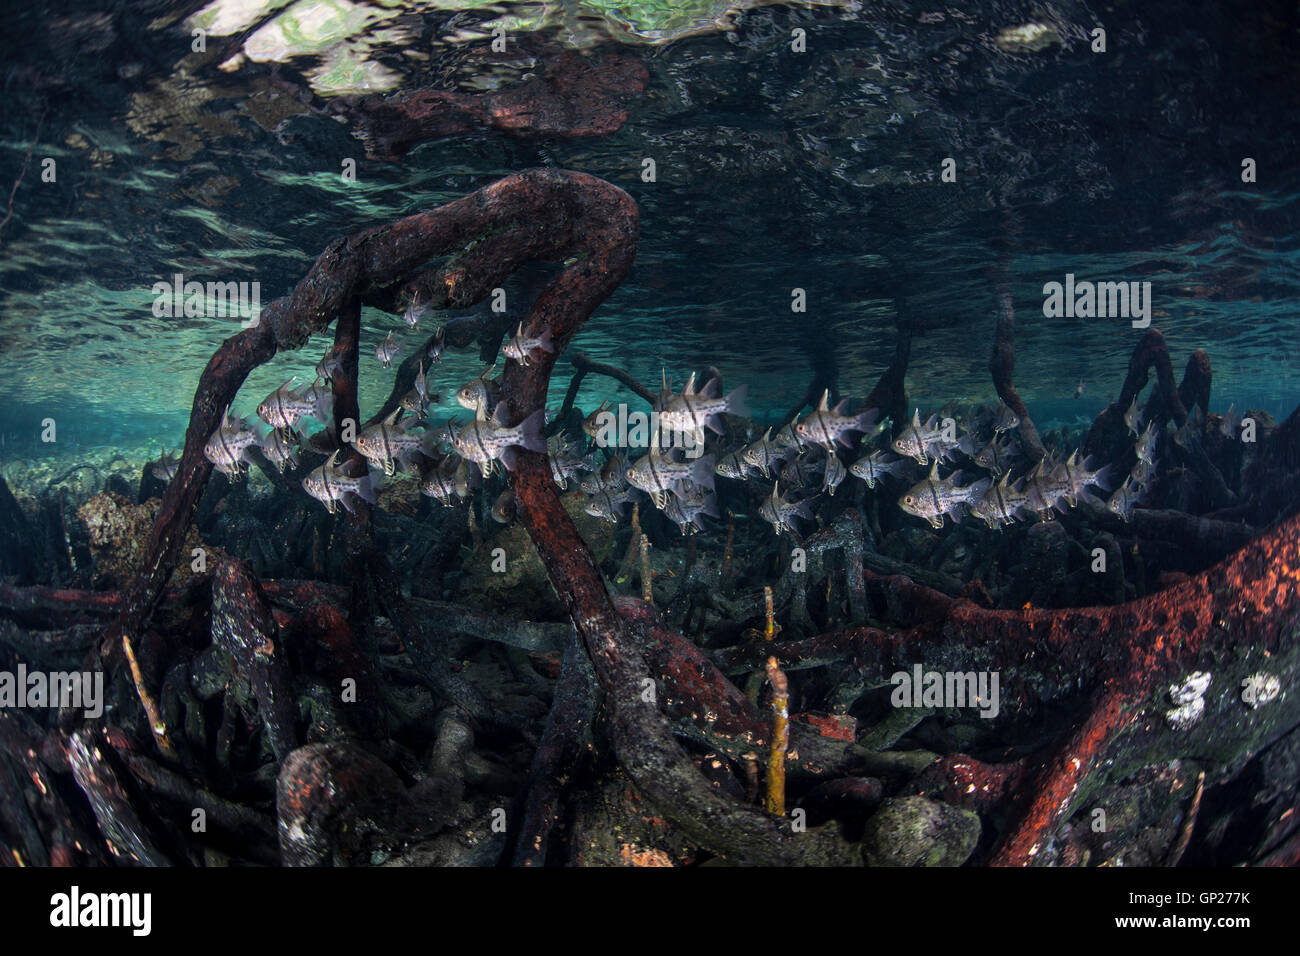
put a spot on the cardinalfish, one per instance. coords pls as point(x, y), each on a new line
point(230, 447)
point(935, 497)
point(694, 411)
point(332, 485)
point(829, 427)
point(780, 512)
point(388, 443)
point(519, 347)
point(485, 441)
point(284, 407)
point(387, 350)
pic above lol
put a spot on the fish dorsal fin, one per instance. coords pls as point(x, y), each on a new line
point(934, 470)
point(1003, 483)
point(391, 418)
point(487, 372)
point(916, 419)
point(499, 415)
point(519, 332)
point(333, 459)
point(663, 375)
point(421, 375)
point(776, 491)
point(823, 404)
point(767, 435)
point(690, 385)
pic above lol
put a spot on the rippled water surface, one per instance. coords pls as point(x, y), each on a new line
point(775, 170)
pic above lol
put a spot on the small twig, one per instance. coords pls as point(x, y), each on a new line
point(769, 621)
point(1189, 824)
point(774, 802)
point(647, 579)
point(150, 705)
point(633, 545)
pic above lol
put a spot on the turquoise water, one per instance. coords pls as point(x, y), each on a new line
point(775, 171)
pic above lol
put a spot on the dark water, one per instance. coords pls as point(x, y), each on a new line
point(775, 170)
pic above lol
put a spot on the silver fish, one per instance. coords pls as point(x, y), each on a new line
point(1230, 423)
point(829, 427)
point(835, 473)
point(284, 407)
point(415, 311)
point(1079, 476)
point(687, 503)
point(518, 347)
point(694, 411)
point(874, 467)
point(418, 399)
point(996, 457)
point(331, 485)
point(229, 448)
point(1145, 446)
point(280, 448)
point(935, 497)
point(165, 468)
point(485, 441)
point(1124, 499)
point(612, 477)
point(593, 424)
point(764, 454)
point(913, 439)
point(439, 342)
point(387, 443)
point(1133, 417)
point(780, 513)
point(1045, 488)
point(608, 505)
point(1001, 504)
point(801, 471)
point(657, 473)
point(1004, 419)
point(439, 481)
point(1143, 474)
point(387, 350)
point(732, 466)
point(327, 366)
point(479, 394)
point(787, 438)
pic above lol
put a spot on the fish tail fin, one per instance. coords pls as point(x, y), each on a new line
point(1103, 478)
point(978, 489)
point(545, 341)
point(803, 511)
point(529, 432)
point(738, 401)
point(368, 488)
point(702, 470)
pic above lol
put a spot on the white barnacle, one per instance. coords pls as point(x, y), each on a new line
point(1185, 715)
point(1193, 688)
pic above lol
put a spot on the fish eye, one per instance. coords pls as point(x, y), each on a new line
point(907, 499)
